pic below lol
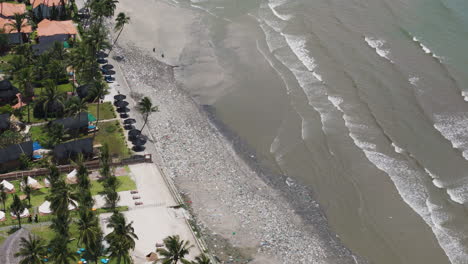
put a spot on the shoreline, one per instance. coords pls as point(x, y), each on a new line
point(268, 219)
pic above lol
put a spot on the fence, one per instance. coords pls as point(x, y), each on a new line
point(91, 165)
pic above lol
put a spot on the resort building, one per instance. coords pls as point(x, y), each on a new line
point(79, 122)
point(48, 8)
point(50, 31)
point(8, 93)
point(8, 10)
point(69, 150)
point(9, 156)
point(4, 122)
point(15, 37)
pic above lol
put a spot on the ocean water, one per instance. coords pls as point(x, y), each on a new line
point(365, 101)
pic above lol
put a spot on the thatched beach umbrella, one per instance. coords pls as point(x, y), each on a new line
point(110, 72)
point(121, 104)
point(133, 134)
point(138, 148)
point(101, 54)
point(129, 127)
point(130, 121)
point(119, 97)
point(140, 140)
point(108, 67)
point(123, 110)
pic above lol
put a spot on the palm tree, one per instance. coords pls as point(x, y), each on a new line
point(3, 196)
point(122, 238)
point(27, 189)
point(60, 252)
point(82, 173)
point(119, 250)
point(17, 63)
point(175, 250)
point(17, 208)
point(88, 227)
point(61, 224)
point(18, 23)
point(54, 175)
point(99, 91)
point(25, 80)
point(202, 259)
point(74, 107)
point(27, 51)
point(105, 160)
point(112, 198)
point(145, 107)
point(51, 96)
point(120, 22)
point(31, 250)
point(60, 197)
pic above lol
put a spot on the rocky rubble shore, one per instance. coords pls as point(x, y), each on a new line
point(246, 213)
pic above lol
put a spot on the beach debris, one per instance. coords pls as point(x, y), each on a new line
point(202, 162)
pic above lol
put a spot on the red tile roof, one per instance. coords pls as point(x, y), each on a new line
point(51, 27)
point(36, 3)
point(10, 9)
point(7, 28)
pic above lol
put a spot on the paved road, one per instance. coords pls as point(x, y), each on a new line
point(9, 247)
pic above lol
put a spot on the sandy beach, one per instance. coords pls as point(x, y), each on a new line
point(154, 220)
point(244, 214)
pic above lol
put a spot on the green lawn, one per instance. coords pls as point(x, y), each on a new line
point(47, 234)
point(112, 134)
point(38, 133)
point(3, 62)
point(106, 110)
point(3, 235)
point(126, 184)
point(62, 88)
point(39, 196)
point(32, 119)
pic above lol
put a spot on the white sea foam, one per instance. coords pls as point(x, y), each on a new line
point(409, 181)
point(298, 46)
point(414, 80)
point(453, 128)
point(426, 49)
point(274, 40)
point(465, 95)
point(397, 148)
point(379, 46)
point(280, 16)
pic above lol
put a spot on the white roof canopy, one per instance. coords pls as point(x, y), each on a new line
point(72, 174)
point(44, 208)
point(25, 213)
point(10, 187)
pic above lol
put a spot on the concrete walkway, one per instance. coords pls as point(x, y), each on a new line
point(154, 220)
